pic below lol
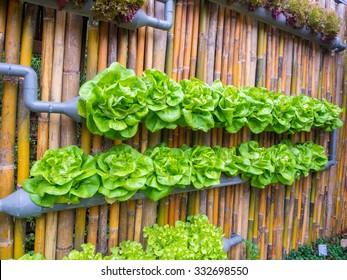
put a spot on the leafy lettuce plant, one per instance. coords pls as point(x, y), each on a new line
point(87, 253)
point(129, 250)
point(206, 167)
point(195, 239)
point(200, 100)
point(123, 172)
point(163, 100)
point(171, 170)
point(114, 102)
point(229, 158)
point(255, 164)
point(62, 176)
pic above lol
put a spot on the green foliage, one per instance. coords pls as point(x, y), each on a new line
point(163, 98)
point(116, 101)
point(129, 250)
point(253, 252)
point(310, 252)
point(62, 176)
point(200, 100)
point(195, 239)
point(109, 10)
point(171, 170)
point(206, 166)
point(113, 103)
point(87, 253)
point(123, 171)
point(65, 175)
point(32, 257)
point(301, 14)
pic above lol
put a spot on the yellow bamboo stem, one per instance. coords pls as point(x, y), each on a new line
point(8, 125)
point(71, 80)
point(91, 70)
point(3, 14)
point(23, 124)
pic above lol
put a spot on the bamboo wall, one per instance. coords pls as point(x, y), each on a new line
point(208, 42)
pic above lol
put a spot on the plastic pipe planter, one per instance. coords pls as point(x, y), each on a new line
point(341, 2)
point(140, 18)
point(20, 205)
point(233, 240)
point(68, 108)
point(265, 15)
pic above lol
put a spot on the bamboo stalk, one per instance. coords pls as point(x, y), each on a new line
point(195, 39)
point(43, 129)
point(122, 46)
point(71, 78)
point(103, 209)
point(202, 47)
point(177, 37)
point(112, 43)
point(3, 14)
point(54, 123)
point(91, 71)
point(8, 125)
point(23, 124)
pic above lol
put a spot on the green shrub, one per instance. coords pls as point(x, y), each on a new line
point(310, 252)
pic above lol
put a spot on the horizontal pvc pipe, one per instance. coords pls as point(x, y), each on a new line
point(233, 240)
point(341, 2)
point(265, 15)
point(68, 108)
point(19, 204)
point(140, 19)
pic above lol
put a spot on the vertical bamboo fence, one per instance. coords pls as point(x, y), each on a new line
point(208, 42)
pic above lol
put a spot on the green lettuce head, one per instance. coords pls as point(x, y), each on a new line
point(171, 170)
point(206, 166)
point(123, 172)
point(62, 176)
point(163, 100)
point(200, 100)
point(114, 102)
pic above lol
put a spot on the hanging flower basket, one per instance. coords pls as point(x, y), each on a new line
point(299, 17)
point(126, 14)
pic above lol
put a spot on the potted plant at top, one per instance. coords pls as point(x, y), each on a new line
point(300, 17)
point(125, 13)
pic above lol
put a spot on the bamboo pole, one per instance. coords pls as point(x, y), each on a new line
point(112, 43)
point(54, 125)
point(8, 125)
point(3, 14)
point(42, 135)
point(91, 71)
point(103, 209)
point(117, 51)
point(24, 123)
point(71, 79)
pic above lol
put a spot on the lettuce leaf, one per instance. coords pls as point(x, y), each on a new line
point(163, 100)
point(123, 172)
point(114, 102)
point(62, 175)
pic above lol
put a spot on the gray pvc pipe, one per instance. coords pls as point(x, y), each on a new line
point(332, 154)
point(341, 2)
point(233, 240)
point(140, 18)
point(20, 205)
point(265, 15)
point(68, 108)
